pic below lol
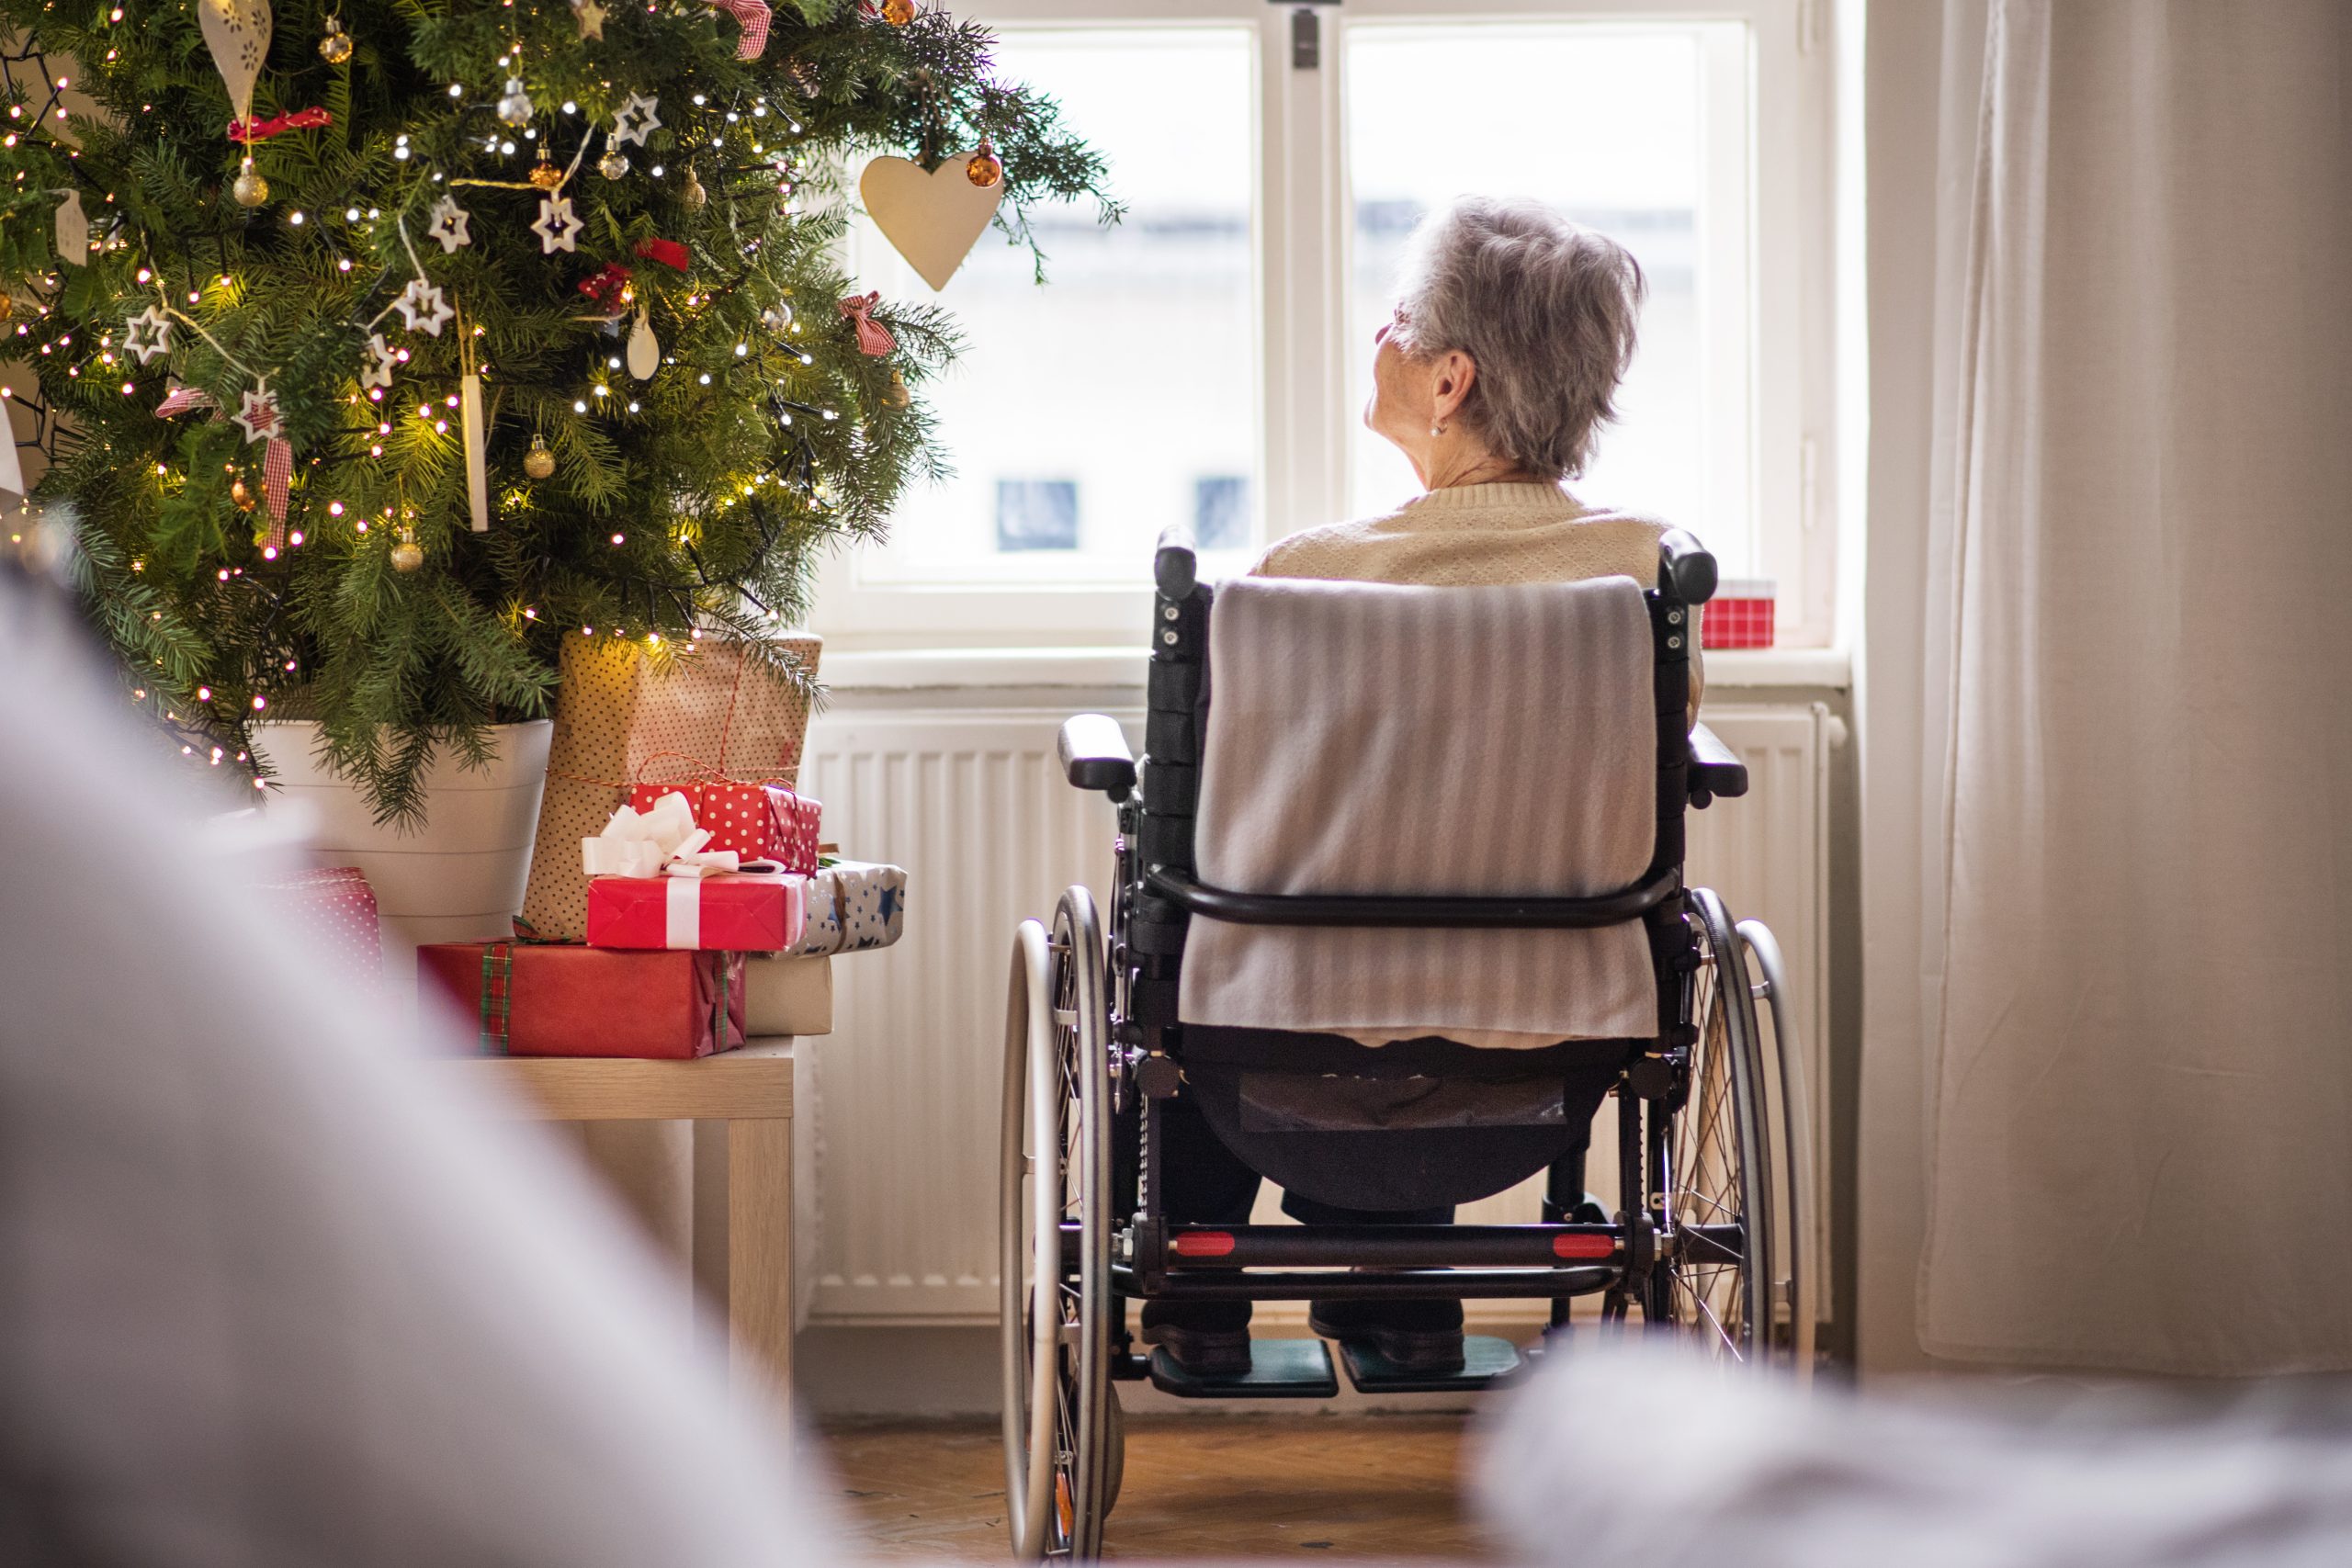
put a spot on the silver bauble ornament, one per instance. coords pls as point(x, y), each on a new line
point(335, 48)
point(514, 108)
point(612, 166)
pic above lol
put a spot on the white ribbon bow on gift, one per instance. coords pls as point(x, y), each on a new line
point(664, 842)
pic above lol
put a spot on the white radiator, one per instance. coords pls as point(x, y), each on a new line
point(971, 802)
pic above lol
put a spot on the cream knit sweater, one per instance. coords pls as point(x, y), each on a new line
point(1477, 536)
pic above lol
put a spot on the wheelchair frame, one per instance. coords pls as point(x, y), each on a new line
point(1093, 1044)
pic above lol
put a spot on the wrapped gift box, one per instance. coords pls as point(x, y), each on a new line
point(792, 838)
point(338, 908)
point(853, 906)
point(1739, 615)
point(738, 814)
point(744, 913)
point(555, 999)
point(783, 995)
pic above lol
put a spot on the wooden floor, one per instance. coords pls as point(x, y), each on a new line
point(1364, 1488)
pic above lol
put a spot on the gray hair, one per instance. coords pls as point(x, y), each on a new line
point(1545, 309)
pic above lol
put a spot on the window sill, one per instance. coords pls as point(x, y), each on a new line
point(986, 669)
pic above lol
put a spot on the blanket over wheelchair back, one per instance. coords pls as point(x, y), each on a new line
point(1372, 738)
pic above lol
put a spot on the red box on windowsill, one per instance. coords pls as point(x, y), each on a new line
point(558, 999)
point(1739, 615)
point(750, 912)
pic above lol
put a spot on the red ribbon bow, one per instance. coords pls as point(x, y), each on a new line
point(263, 129)
point(669, 253)
point(873, 337)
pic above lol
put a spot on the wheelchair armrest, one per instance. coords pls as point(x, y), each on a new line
point(1095, 756)
point(1714, 769)
point(1175, 566)
point(1685, 569)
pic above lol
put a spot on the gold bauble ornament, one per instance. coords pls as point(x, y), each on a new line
point(408, 555)
point(335, 48)
point(694, 195)
point(612, 166)
point(984, 168)
point(897, 13)
point(249, 189)
point(240, 493)
point(546, 175)
point(539, 462)
point(898, 397)
point(7, 305)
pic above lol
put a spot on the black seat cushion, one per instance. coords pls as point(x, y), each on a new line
point(1417, 1124)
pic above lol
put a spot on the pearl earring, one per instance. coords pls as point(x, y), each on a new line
point(1437, 430)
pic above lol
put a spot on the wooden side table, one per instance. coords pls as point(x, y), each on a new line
point(750, 1089)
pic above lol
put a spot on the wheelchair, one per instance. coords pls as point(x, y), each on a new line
point(1707, 1239)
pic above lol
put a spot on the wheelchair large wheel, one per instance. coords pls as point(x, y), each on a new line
point(1054, 1230)
point(1715, 1280)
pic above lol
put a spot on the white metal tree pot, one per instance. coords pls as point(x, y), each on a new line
point(458, 878)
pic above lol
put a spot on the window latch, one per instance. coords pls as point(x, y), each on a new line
point(1306, 33)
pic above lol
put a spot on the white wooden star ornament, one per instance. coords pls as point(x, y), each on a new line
point(148, 334)
point(635, 120)
point(450, 225)
point(591, 18)
point(257, 413)
point(378, 372)
point(558, 227)
point(423, 307)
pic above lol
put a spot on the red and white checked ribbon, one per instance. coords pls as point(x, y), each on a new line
point(873, 337)
point(181, 400)
point(277, 480)
point(753, 16)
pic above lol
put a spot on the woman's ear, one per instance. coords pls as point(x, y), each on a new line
point(1450, 384)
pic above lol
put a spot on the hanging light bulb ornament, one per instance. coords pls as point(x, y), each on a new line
point(984, 168)
point(612, 166)
point(249, 187)
point(897, 13)
point(694, 195)
point(514, 108)
point(539, 462)
point(898, 396)
point(335, 48)
point(546, 175)
point(408, 555)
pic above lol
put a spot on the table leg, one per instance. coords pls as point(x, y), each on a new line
point(759, 1256)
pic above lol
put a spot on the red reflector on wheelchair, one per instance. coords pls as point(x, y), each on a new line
point(1202, 1244)
point(1584, 1246)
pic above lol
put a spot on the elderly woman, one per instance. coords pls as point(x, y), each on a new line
point(1493, 375)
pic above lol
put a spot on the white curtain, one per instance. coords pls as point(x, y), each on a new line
point(2132, 982)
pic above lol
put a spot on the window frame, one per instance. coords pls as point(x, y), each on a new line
point(1300, 221)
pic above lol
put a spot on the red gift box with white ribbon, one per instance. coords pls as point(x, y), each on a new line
point(751, 912)
point(737, 815)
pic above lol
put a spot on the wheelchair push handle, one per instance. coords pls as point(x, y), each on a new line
point(1685, 569)
point(1175, 566)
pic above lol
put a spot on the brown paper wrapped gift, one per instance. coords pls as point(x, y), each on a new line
point(621, 715)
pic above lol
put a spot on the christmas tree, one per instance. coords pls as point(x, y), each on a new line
point(382, 346)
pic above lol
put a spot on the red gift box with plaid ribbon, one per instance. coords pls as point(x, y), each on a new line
point(531, 998)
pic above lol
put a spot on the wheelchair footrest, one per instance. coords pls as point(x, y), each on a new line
point(1486, 1360)
point(1278, 1368)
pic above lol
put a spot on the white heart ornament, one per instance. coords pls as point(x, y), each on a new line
point(237, 31)
point(933, 219)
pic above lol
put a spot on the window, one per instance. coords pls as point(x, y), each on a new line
point(1207, 362)
point(1035, 515)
